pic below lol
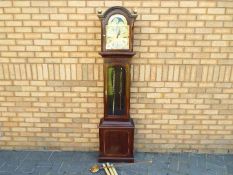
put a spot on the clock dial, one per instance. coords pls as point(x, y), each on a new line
point(117, 33)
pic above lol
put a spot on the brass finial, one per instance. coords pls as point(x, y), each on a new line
point(135, 11)
point(99, 11)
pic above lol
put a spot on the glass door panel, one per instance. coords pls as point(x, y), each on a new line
point(116, 97)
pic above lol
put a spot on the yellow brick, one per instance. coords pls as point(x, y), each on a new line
point(168, 17)
point(186, 17)
point(12, 10)
point(188, 4)
point(34, 129)
point(77, 3)
point(39, 3)
point(67, 10)
point(77, 17)
point(219, 43)
point(58, 16)
point(51, 48)
point(6, 4)
point(195, 24)
point(65, 120)
point(132, 3)
point(207, 4)
point(56, 3)
point(214, 24)
point(169, 3)
point(223, 17)
point(216, 10)
point(59, 29)
point(197, 10)
point(40, 17)
point(44, 10)
point(6, 16)
point(30, 10)
point(81, 140)
point(176, 122)
point(68, 48)
point(177, 24)
point(42, 42)
point(13, 23)
point(85, 10)
point(21, 3)
point(206, 17)
point(95, 4)
point(168, 30)
point(179, 11)
point(49, 23)
point(32, 120)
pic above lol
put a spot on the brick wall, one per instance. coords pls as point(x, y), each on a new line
point(51, 80)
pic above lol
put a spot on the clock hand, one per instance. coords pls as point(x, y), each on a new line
point(118, 34)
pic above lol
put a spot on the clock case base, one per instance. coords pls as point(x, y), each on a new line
point(116, 141)
point(116, 159)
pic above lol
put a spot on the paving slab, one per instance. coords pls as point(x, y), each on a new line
point(78, 163)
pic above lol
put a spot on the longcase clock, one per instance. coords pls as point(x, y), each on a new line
point(116, 128)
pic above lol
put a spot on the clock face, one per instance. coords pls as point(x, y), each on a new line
point(117, 33)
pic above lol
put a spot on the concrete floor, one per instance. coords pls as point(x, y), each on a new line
point(78, 163)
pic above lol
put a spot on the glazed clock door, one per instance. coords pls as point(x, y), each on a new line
point(117, 92)
point(117, 26)
point(117, 33)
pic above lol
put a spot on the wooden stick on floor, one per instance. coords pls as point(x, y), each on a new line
point(106, 169)
point(110, 169)
point(114, 169)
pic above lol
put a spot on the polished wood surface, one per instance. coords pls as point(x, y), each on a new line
point(116, 128)
point(116, 143)
point(115, 54)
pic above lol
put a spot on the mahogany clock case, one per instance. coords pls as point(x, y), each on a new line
point(116, 128)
